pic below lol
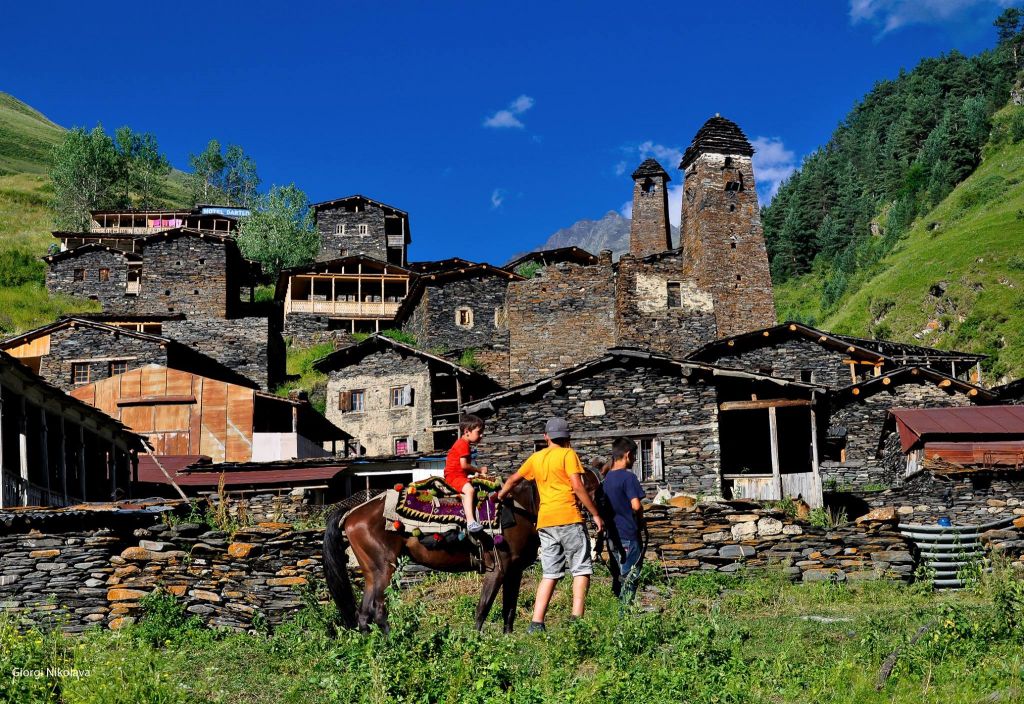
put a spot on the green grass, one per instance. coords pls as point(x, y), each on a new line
point(973, 242)
point(300, 363)
point(26, 137)
point(705, 638)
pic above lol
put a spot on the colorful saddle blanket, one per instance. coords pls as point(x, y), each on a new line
point(433, 501)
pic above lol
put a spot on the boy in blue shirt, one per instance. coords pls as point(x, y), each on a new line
point(623, 491)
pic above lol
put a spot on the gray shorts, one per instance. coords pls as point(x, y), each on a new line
point(562, 547)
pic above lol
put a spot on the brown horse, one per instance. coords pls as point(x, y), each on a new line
point(377, 550)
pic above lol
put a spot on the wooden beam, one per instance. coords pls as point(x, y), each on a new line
point(773, 429)
point(762, 403)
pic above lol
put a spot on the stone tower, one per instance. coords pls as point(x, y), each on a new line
point(357, 225)
point(723, 243)
point(650, 232)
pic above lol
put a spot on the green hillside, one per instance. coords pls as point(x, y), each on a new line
point(26, 139)
point(956, 280)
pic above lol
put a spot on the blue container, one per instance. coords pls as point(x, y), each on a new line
point(945, 522)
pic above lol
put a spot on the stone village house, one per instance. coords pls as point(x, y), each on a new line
point(701, 429)
point(394, 399)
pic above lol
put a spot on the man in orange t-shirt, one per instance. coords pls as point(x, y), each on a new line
point(564, 542)
point(457, 467)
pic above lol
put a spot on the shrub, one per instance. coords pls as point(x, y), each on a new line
point(399, 336)
point(529, 269)
point(164, 620)
point(19, 267)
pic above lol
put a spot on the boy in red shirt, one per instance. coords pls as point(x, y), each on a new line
point(457, 467)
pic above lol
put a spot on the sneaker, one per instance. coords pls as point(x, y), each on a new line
point(475, 527)
point(536, 627)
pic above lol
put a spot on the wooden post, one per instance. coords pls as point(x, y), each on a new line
point(44, 446)
point(359, 293)
point(23, 452)
point(81, 462)
point(112, 464)
point(3, 471)
point(63, 464)
point(773, 428)
point(334, 305)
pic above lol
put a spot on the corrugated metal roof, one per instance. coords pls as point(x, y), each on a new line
point(924, 424)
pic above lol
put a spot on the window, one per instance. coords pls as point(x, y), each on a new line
point(79, 274)
point(464, 317)
point(648, 186)
point(728, 162)
point(104, 274)
point(339, 229)
point(364, 229)
point(116, 368)
point(649, 466)
point(401, 396)
point(403, 446)
point(675, 294)
point(80, 373)
point(352, 401)
point(732, 245)
point(807, 376)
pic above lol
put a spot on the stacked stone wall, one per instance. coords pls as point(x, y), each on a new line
point(790, 359)
point(60, 279)
point(252, 347)
point(483, 296)
point(643, 317)
point(333, 245)
point(638, 401)
point(974, 500)
point(97, 348)
point(730, 537)
point(564, 316)
point(864, 420)
point(724, 242)
point(186, 274)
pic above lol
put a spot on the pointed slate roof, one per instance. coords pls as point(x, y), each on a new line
point(651, 167)
point(717, 136)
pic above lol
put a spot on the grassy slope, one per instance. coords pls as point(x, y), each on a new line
point(703, 639)
point(26, 138)
point(973, 243)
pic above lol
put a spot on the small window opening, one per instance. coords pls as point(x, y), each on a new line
point(648, 186)
point(732, 207)
point(738, 278)
point(167, 292)
point(117, 368)
point(104, 274)
point(464, 317)
point(202, 261)
point(732, 245)
point(364, 229)
point(807, 375)
point(728, 162)
point(80, 373)
point(79, 274)
point(675, 295)
point(339, 229)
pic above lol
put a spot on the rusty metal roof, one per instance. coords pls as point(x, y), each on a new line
point(972, 423)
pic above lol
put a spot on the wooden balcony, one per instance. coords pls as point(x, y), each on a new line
point(345, 309)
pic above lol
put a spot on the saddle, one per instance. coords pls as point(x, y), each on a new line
point(432, 501)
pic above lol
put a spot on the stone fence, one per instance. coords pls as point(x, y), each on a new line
point(725, 537)
point(76, 569)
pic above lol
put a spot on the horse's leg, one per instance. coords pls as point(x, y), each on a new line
point(492, 582)
point(386, 567)
point(510, 596)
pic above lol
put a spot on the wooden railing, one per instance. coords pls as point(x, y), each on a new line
point(346, 308)
point(18, 492)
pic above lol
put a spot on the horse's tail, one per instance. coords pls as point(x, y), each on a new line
point(336, 569)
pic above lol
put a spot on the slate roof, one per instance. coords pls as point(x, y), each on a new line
point(717, 136)
point(344, 199)
point(91, 247)
point(650, 167)
point(553, 256)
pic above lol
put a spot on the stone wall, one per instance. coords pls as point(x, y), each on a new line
point(380, 423)
point(190, 275)
point(643, 317)
point(724, 242)
point(728, 537)
point(60, 279)
point(98, 348)
point(639, 402)
point(437, 312)
point(252, 347)
point(305, 329)
point(563, 316)
point(81, 578)
point(649, 230)
point(334, 245)
point(794, 359)
point(974, 500)
point(864, 420)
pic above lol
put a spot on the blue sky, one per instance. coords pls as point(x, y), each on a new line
point(493, 124)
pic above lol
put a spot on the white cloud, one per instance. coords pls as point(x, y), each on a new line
point(668, 157)
point(498, 197)
point(620, 168)
point(773, 164)
point(510, 116)
point(890, 15)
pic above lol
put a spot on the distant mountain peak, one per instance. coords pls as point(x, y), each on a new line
point(609, 232)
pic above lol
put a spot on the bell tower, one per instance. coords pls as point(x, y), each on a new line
point(650, 232)
point(723, 243)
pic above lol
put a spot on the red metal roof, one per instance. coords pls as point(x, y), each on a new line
point(975, 423)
